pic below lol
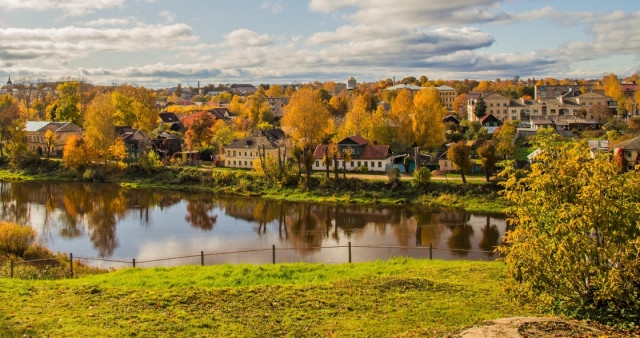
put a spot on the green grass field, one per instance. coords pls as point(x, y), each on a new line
point(396, 297)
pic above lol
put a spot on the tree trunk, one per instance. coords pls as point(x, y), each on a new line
point(487, 174)
point(335, 164)
point(344, 168)
point(464, 180)
point(327, 161)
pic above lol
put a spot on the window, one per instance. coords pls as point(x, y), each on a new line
point(234, 162)
point(513, 111)
point(373, 164)
point(229, 153)
point(359, 164)
point(317, 163)
point(245, 154)
point(379, 164)
point(513, 118)
point(245, 163)
point(505, 111)
point(351, 164)
point(250, 154)
point(234, 153)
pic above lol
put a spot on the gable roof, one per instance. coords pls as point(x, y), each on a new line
point(591, 95)
point(450, 118)
point(495, 96)
point(355, 139)
point(369, 152)
point(58, 127)
point(489, 118)
point(169, 117)
point(632, 144)
point(445, 88)
point(252, 142)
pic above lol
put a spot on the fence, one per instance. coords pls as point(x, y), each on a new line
point(202, 255)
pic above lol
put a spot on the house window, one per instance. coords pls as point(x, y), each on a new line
point(373, 164)
point(513, 118)
point(351, 164)
point(379, 164)
point(234, 153)
point(229, 153)
point(358, 164)
point(245, 163)
point(234, 162)
point(250, 154)
point(317, 163)
point(245, 154)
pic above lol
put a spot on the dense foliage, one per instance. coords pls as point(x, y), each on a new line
point(576, 239)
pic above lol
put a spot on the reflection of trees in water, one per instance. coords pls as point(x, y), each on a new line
point(490, 237)
point(198, 214)
point(14, 203)
point(460, 239)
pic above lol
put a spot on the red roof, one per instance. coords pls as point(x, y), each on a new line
point(486, 117)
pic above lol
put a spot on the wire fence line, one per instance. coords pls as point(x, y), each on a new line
point(133, 262)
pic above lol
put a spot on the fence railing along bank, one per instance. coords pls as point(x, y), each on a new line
point(133, 262)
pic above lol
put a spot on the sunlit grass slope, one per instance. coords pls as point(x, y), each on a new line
point(400, 296)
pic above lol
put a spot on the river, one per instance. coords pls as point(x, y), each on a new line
point(107, 221)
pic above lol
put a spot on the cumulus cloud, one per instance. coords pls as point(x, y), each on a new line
point(247, 38)
point(169, 16)
point(103, 22)
point(69, 7)
point(72, 42)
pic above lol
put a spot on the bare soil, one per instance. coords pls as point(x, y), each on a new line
point(533, 327)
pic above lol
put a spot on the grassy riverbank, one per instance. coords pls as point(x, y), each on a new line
point(471, 197)
point(400, 296)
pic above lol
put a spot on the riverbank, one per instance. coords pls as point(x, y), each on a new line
point(474, 197)
point(396, 297)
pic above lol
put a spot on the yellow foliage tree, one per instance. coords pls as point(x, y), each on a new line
point(401, 111)
point(74, 155)
point(99, 133)
point(426, 120)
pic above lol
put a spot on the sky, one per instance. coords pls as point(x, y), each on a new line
point(160, 43)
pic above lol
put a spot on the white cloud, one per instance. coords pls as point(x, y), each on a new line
point(247, 38)
point(72, 42)
point(70, 7)
point(274, 6)
point(102, 22)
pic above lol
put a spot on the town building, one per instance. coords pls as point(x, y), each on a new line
point(243, 152)
point(36, 136)
point(277, 105)
point(135, 141)
point(628, 151)
point(553, 91)
point(374, 157)
point(447, 96)
point(242, 89)
point(171, 120)
point(352, 83)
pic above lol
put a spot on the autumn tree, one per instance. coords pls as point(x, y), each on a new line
point(400, 115)
point(49, 139)
point(504, 139)
point(487, 153)
point(74, 155)
point(67, 105)
point(223, 134)
point(460, 105)
point(199, 133)
point(275, 91)
point(357, 118)
point(16, 145)
point(426, 119)
point(99, 132)
point(380, 128)
point(575, 238)
point(307, 120)
point(9, 112)
point(458, 154)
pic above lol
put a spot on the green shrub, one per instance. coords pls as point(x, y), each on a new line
point(363, 169)
point(94, 175)
point(15, 239)
point(393, 174)
point(421, 177)
point(575, 242)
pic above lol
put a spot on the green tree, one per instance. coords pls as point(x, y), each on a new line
point(487, 152)
point(480, 110)
point(458, 154)
point(67, 108)
point(504, 139)
point(575, 241)
point(17, 147)
point(422, 177)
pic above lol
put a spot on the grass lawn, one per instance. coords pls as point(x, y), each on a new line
point(396, 297)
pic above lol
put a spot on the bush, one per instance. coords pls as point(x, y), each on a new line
point(15, 239)
point(575, 244)
point(94, 175)
point(421, 177)
point(393, 174)
point(363, 169)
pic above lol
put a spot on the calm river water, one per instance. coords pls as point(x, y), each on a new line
point(100, 220)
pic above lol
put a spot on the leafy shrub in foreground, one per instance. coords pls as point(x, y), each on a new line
point(576, 239)
point(15, 238)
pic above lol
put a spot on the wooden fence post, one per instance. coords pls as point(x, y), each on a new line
point(349, 252)
point(202, 258)
point(70, 265)
point(273, 250)
point(11, 268)
point(134, 262)
point(430, 251)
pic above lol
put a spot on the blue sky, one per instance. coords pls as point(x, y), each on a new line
point(160, 43)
